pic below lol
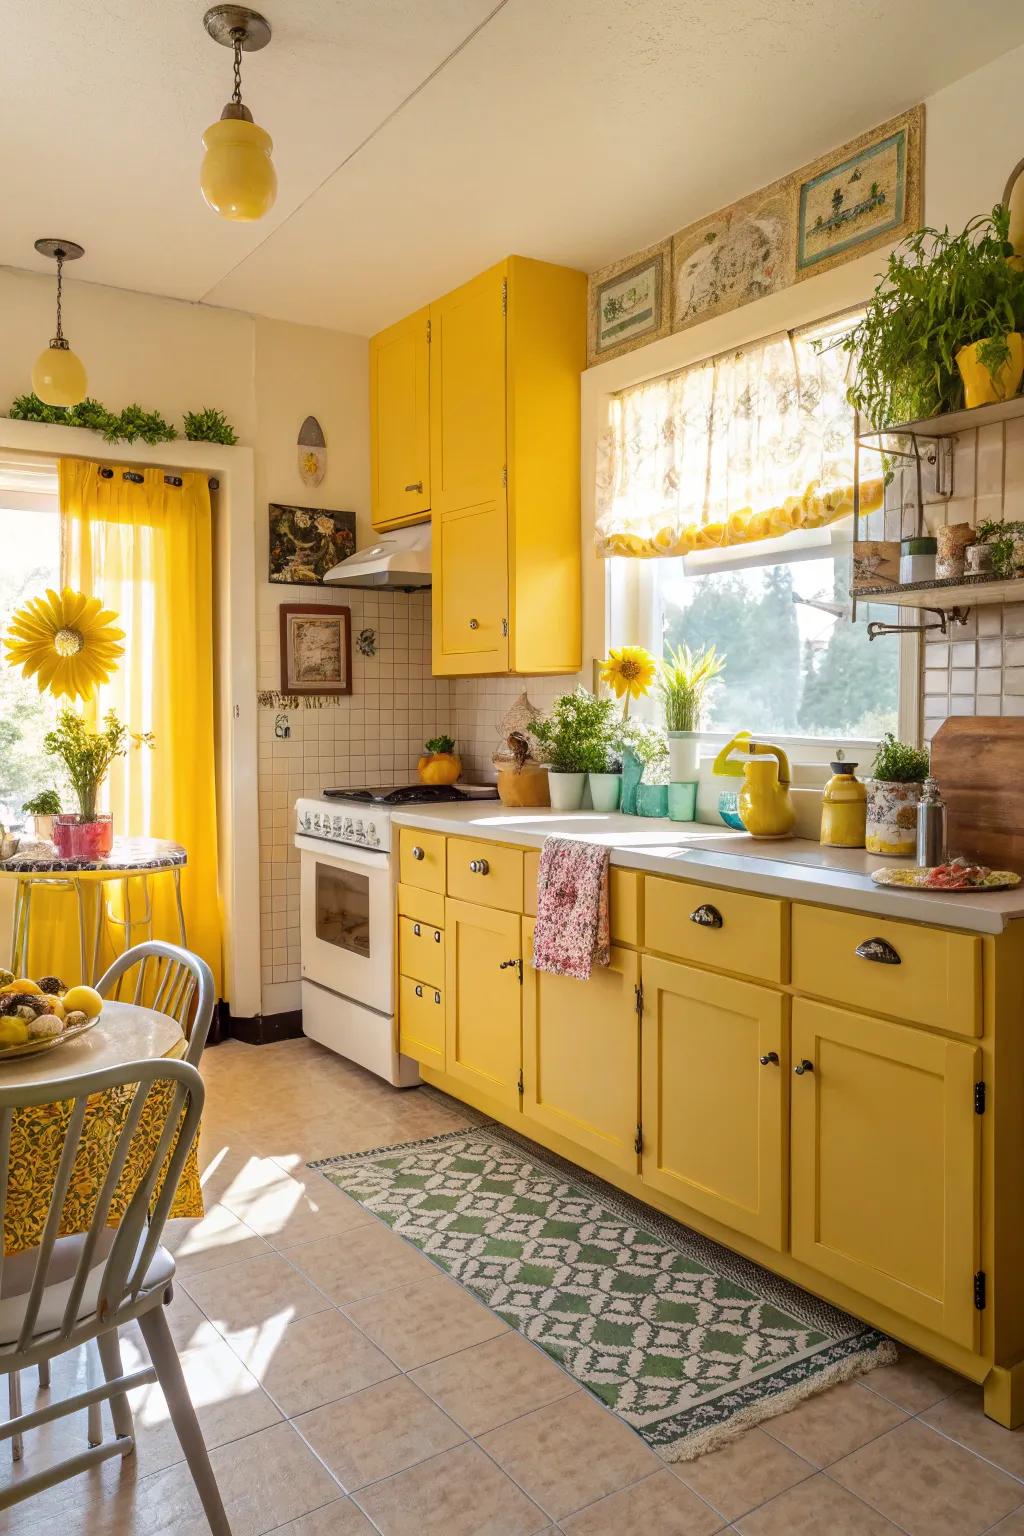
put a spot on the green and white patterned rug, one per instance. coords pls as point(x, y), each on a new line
point(685, 1341)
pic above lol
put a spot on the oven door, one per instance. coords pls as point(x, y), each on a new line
point(347, 922)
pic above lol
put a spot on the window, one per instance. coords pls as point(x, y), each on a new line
point(30, 540)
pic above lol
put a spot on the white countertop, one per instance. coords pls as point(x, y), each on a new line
point(791, 867)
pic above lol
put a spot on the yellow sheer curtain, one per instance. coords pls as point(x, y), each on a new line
point(145, 547)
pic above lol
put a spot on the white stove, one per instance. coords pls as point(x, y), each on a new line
point(362, 817)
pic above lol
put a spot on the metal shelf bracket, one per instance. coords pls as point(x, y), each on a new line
point(944, 617)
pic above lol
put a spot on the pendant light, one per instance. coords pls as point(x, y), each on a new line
point(237, 176)
point(58, 376)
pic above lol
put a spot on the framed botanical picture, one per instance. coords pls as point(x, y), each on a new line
point(739, 254)
point(628, 304)
point(305, 542)
point(316, 648)
point(862, 196)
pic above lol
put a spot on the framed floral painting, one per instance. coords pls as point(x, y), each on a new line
point(628, 303)
point(306, 542)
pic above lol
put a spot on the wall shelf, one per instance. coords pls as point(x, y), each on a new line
point(954, 592)
point(947, 425)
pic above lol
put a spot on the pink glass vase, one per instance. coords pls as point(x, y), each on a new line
point(76, 838)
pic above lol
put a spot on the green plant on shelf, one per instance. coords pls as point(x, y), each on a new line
point(1006, 541)
point(46, 803)
point(134, 422)
point(897, 763)
point(86, 755)
point(440, 744)
point(574, 736)
point(209, 426)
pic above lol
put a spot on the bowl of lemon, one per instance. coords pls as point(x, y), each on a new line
point(38, 1016)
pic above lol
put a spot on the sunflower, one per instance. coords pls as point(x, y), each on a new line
point(66, 641)
point(629, 671)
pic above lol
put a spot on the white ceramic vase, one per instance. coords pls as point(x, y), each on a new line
point(566, 790)
point(605, 789)
point(892, 817)
point(683, 756)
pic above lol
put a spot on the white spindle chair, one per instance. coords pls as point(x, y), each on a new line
point(174, 978)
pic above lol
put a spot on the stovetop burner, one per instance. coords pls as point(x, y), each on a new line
point(408, 794)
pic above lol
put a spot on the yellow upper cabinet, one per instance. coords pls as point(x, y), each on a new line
point(400, 422)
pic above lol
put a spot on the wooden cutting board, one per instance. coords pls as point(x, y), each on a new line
point(979, 763)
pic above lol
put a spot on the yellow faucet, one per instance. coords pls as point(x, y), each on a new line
point(765, 805)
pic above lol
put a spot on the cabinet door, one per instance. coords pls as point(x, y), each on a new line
point(484, 997)
point(468, 464)
point(886, 1162)
point(581, 1054)
point(400, 422)
point(713, 1113)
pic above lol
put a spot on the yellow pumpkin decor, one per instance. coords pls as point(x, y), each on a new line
point(66, 641)
point(440, 763)
point(629, 671)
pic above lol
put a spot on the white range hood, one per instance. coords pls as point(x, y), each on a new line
point(398, 561)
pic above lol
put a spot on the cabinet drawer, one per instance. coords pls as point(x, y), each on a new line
point(624, 890)
point(421, 906)
point(421, 859)
point(421, 951)
point(932, 977)
point(486, 874)
point(421, 1022)
point(709, 926)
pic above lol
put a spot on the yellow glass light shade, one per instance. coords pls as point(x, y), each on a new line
point(66, 641)
point(237, 176)
point(59, 377)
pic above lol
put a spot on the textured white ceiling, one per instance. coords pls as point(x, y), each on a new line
point(573, 130)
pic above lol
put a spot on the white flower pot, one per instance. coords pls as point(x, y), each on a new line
point(683, 756)
point(892, 817)
point(605, 789)
point(566, 790)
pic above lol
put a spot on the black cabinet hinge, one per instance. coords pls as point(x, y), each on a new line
point(520, 1085)
point(980, 1290)
point(638, 1140)
point(979, 1098)
point(639, 994)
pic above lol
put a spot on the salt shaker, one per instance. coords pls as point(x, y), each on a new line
point(931, 826)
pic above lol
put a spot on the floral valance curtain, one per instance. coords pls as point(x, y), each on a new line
point(746, 446)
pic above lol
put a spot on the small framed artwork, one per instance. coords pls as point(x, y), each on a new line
point(739, 254)
point(862, 196)
point(316, 649)
point(628, 304)
point(306, 542)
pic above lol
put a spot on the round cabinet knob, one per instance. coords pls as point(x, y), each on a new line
point(437, 997)
point(474, 623)
point(770, 1059)
point(418, 853)
point(437, 935)
point(419, 991)
point(804, 1066)
point(478, 866)
point(416, 929)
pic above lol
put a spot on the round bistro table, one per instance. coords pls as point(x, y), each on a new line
point(130, 859)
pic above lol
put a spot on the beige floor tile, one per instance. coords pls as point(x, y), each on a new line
point(254, 1295)
point(962, 1418)
point(835, 1422)
point(748, 1471)
point(348, 1266)
point(1013, 1525)
point(460, 1493)
point(659, 1504)
point(342, 1518)
point(928, 1485)
point(914, 1382)
point(374, 1434)
point(416, 1324)
point(287, 1210)
point(570, 1454)
point(219, 1239)
point(315, 1360)
point(494, 1382)
point(817, 1507)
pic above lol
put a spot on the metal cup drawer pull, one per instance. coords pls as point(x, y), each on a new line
point(437, 935)
point(879, 950)
point(437, 997)
point(770, 1059)
point(803, 1066)
point(479, 867)
point(416, 929)
point(707, 916)
point(418, 853)
point(419, 991)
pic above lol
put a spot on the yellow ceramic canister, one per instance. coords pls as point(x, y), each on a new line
point(844, 808)
point(765, 804)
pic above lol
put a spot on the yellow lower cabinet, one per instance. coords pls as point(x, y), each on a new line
point(885, 1160)
point(484, 1000)
point(421, 1022)
point(714, 1092)
point(581, 1054)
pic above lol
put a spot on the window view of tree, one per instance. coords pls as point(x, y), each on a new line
point(31, 563)
point(794, 662)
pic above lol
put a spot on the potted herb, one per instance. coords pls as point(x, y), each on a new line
point(685, 680)
point(440, 763)
point(893, 790)
point(943, 326)
point(645, 767)
point(43, 808)
point(1006, 541)
point(573, 741)
point(86, 756)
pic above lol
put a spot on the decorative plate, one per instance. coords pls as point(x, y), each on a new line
point(917, 879)
point(48, 1043)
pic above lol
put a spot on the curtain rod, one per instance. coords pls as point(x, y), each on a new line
point(135, 478)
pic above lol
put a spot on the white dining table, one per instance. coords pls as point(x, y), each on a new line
point(125, 1032)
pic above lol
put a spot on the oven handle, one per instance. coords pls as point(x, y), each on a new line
point(342, 853)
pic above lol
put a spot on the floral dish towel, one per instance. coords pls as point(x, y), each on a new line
point(572, 928)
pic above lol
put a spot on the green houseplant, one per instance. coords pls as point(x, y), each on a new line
point(43, 808)
point(940, 294)
point(573, 741)
point(86, 756)
point(685, 680)
point(894, 789)
point(440, 763)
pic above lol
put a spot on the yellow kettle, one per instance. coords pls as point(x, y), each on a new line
point(765, 805)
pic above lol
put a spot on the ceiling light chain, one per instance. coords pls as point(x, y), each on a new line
point(238, 36)
point(59, 341)
point(58, 376)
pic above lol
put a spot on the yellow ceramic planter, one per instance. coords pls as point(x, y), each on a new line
point(980, 386)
